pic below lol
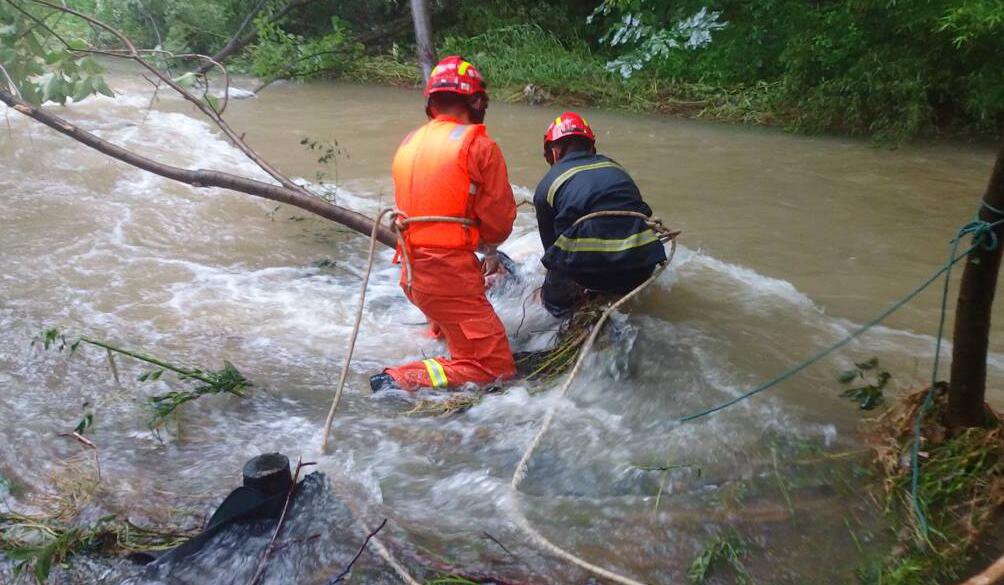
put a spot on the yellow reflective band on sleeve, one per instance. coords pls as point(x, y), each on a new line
point(565, 176)
point(436, 373)
point(604, 245)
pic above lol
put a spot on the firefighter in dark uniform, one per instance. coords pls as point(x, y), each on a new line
point(606, 254)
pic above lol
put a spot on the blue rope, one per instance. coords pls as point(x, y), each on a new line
point(983, 234)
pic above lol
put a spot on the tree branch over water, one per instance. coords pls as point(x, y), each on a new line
point(287, 191)
point(202, 177)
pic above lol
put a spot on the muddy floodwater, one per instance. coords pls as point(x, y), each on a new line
point(788, 244)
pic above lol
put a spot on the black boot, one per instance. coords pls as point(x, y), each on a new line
point(383, 381)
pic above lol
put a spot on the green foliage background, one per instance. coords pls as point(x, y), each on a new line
point(890, 69)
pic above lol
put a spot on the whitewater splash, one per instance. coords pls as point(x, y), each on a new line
point(203, 275)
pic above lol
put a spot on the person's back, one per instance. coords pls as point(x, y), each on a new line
point(608, 252)
point(453, 191)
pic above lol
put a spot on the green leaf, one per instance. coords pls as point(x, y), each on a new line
point(84, 424)
point(82, 89)
point(99, 85)
point(54, 89)
point(90, 66)
point(186, 80)
point(43, 563)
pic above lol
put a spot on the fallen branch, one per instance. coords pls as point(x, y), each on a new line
point(203, 177)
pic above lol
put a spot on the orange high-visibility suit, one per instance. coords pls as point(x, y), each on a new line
point(446, 168)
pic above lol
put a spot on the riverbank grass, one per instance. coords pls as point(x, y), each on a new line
point(960, 492)
point(526, 64)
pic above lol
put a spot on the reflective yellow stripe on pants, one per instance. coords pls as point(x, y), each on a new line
point(436, 373)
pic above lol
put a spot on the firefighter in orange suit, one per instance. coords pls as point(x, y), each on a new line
point(451, 168)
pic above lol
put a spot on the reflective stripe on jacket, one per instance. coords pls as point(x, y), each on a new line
point(582, 183)
point(431, 178)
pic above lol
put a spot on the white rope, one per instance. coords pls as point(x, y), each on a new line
point(520, 472)
point(355, 331)
point(398, 223)
point(381, 550)
point(385, 554)
point(556, 550)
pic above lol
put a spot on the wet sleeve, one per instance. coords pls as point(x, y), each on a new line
point(545, 216)
point(494, 205)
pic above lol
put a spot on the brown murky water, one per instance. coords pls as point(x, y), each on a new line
point(788, 243)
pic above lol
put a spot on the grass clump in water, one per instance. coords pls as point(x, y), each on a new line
point(546, 366)
point(725, 550)
point(38, 543)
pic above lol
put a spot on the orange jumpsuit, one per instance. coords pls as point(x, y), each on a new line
point(449, 288)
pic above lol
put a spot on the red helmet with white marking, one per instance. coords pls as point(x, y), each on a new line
point(454, 74)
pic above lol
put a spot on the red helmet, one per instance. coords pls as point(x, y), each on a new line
point(568, 124)
point(456, 75)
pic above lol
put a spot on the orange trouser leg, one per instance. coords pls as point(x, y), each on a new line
point(475, 337)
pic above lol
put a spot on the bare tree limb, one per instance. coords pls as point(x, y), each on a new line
point(423, 37)
point(202, 177)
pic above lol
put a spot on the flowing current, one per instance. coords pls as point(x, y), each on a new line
point(788, 242)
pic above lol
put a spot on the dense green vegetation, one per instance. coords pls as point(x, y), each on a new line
point(883, 68)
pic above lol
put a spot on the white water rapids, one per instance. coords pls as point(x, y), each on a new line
point(96, 247)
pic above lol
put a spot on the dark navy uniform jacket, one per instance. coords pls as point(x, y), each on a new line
point(582, 183)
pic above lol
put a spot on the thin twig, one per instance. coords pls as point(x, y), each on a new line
point(496, 541)
point(88, 443)
point(153, 96)
point(260, 571)
point(345, 571)
point(10, 82)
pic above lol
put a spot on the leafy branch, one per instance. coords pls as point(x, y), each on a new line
point(868, 394)
point(227, 380)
